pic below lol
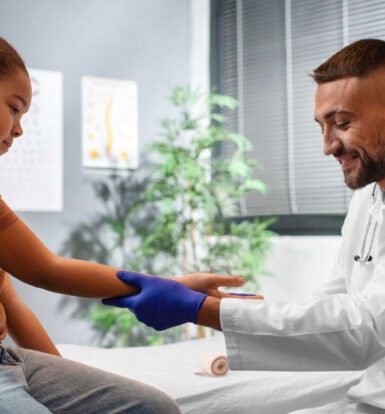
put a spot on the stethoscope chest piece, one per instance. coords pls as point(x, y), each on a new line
point(362, 261)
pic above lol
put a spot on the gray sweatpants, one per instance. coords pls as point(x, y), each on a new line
point(36, 383)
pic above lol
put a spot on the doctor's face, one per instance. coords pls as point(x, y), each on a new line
point(351, 114)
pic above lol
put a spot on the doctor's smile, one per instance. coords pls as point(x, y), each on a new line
point(347, 160)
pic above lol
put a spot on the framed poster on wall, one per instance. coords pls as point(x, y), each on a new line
point(109, 123)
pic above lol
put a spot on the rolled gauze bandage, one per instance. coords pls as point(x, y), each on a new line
point(213, 364)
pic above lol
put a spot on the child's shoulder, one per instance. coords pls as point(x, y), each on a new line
point(7, 216)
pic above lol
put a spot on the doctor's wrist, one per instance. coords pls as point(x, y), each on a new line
point(209, 313)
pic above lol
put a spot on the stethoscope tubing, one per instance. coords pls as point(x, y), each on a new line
point(364, 259)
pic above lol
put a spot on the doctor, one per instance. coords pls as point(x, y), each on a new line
point(343, 326)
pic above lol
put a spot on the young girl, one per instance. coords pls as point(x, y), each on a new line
point(34, 379)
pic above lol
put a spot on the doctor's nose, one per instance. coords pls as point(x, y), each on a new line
point(331, 144)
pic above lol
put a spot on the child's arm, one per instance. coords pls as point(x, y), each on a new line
point(22, 324)
point(25, 257)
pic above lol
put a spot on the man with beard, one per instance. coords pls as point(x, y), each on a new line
point(343, 326)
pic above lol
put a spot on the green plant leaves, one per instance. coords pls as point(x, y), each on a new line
point(176, 215)
point(222, 101)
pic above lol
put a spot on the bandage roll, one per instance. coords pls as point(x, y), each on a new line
point(213, 364)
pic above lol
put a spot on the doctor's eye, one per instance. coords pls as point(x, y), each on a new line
point(342, 125)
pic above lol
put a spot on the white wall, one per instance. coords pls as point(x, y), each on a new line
point(298, 266)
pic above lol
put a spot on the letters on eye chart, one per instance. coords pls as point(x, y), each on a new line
point(31, 173)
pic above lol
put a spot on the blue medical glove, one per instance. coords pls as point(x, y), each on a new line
point(161, 303)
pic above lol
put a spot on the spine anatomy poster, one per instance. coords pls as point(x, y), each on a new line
point(109, 123)
point(31, 173)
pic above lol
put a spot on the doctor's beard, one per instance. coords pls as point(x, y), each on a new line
point(369, 171)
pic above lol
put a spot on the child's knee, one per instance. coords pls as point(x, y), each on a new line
point(157, 402)
point(132, 397)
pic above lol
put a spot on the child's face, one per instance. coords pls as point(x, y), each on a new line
point(15, 100)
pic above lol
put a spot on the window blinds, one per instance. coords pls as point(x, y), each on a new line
point(269, 48)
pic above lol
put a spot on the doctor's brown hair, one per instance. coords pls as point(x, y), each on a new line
point(357, 59)
point(10, 60)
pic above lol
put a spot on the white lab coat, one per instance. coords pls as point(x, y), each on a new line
point(341, 328)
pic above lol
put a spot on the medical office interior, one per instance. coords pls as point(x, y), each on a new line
point(87, 56)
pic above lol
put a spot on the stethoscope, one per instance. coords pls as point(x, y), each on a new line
point(363, 258)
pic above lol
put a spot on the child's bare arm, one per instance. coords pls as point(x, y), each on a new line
point(25, 257)
point(23, 326)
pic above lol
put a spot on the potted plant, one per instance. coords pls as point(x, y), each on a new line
point(176, 214)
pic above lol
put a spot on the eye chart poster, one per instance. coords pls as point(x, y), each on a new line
point(109, 123)
point(31, 172)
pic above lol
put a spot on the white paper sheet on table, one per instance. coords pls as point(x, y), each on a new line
point(171, 368)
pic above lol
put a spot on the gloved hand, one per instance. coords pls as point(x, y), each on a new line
point(161, 303)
